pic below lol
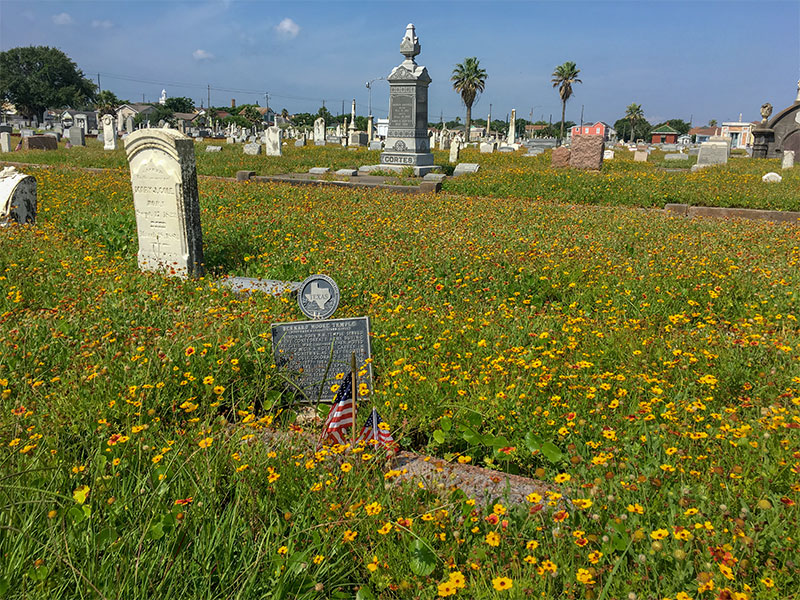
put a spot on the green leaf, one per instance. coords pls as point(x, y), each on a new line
point(620, 542)
point(156, 531)
point(3, 586)
point(446, 423)
point(271, 399)
point(323, 410)
point(365, 593)
point(533, 442)
point(471, 437)
point(421, 560)
point(76, 514)
point(38, 573)
point(474, 419)
point(551, 452)
point(500, 442)
point(438, 436)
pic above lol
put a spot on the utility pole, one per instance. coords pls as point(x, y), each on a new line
point(209, 95)
point(142, 98)
point(99, 89)
point(581, 115)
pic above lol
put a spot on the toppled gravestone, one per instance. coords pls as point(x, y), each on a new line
point(17, 197)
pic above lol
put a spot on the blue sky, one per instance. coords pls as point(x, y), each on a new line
point(676, 58)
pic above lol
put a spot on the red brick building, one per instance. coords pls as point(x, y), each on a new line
point(665, 135)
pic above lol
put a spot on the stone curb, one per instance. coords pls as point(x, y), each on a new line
point(717, 212)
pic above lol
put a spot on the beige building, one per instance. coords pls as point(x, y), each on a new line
point(740, 132)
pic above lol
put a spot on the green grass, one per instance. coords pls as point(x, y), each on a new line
point(622, 182)
point(653, 360)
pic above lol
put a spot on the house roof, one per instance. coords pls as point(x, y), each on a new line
point(137, 107)
point(185, 116)
point(665, 129)
point(704, 131)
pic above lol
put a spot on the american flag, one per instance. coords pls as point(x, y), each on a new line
point(341, 416)
point(373, 433)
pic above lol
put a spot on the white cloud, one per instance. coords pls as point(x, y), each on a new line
point(202, 55)
point(105, 24)
point(288, 28)
point(63, 19)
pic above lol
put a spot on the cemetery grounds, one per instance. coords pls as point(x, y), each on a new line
point(646, 367)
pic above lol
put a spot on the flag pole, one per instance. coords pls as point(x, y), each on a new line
point(354, 380)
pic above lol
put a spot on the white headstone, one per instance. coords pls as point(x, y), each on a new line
point(109, 133)
point(272, 138)
point(455, 147)
point(608, 154)
point(129, 124)
point(164, 180)
point(772, 178)
point(512, 127)
point(319, 132)
point(253, 149)
point(788, 159)
point(17, 197)
point(640, 156)
point(487, 147)
point(712, 153)
point(76, 136)
point(463, 168)
point(5, 142)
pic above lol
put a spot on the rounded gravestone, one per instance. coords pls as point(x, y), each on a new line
point(318, 297)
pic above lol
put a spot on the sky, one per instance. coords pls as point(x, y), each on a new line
point(686, 59)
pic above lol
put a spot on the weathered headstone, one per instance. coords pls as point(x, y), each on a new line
point(486, 147)
point(319, 132)
point(560, 157)
point(213, 148)
point(5, 141)
point(712, 153)
point(253, 149)
point(76, 136)
point(455, 148)
point(300, 143)
point(319, 170)
point(316, 352)
point(512, 127)
point(109, 133)
point(670, 157)
point(586, 152)
point(272, 138)
point(608, 154)
point(164, 180)
point(17, 197)
point(376, 145)
point(772, 178)
point(640, 155)
point(6, 129)
point(407, 142)
point(464, 168)
point(39, 142)
point(788, 159)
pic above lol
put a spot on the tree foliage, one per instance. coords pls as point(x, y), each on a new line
point(564, 76)
point(679, 125)
point(634, 114)
point(641, 129)
point(180, 104)
point(469, 80)
point(35, 78)
point(107, 103)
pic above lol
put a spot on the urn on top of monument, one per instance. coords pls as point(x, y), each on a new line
point(409, 47)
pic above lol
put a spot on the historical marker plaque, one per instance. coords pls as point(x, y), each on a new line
point(315, 352)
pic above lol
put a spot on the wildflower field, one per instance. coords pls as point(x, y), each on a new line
point(622, 182)
point(646, 367)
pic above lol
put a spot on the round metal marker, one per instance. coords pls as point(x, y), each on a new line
point(318, 297)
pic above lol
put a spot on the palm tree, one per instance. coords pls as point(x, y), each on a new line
point(563, 78)
point(634, 113)
point(469, 80)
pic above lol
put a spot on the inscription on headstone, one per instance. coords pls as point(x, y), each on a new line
point(315, 352)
